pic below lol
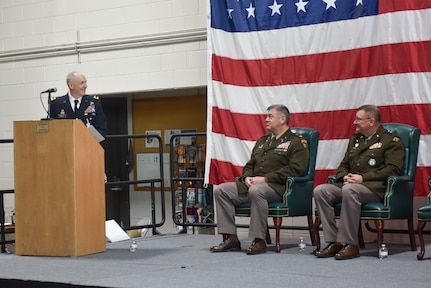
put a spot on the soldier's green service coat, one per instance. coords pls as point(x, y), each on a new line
point(375, 159)
point(276, 160)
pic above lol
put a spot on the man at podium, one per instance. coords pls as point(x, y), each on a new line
point(78, 105)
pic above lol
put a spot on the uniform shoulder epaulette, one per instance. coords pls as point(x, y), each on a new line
point(96, 97)
point(390, 132)
point(266, 136)
point(304, 141)
point(53, 98)
point(357, 136)
point(395, 137)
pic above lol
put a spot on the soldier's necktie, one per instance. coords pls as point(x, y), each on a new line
point(76, 106)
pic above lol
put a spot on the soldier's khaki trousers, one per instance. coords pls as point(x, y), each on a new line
point(226, 198)
point(352, 196)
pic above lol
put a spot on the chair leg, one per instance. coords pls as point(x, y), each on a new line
point(420, 229)
point(380, 224)
point(412, 234)
point(310, 229)
point(316, 235)
point(268, 236)
point(361, 236)
point(277, 225)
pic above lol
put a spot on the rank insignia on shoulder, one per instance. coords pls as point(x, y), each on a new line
point(304, 143)
point(53, 98)
point(396, 139)
point(96, 97)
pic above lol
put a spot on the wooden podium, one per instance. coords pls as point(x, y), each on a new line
point(59, 189)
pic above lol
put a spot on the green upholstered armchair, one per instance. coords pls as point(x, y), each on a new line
point(297, 199)
point(424, 215)
point(397, 202)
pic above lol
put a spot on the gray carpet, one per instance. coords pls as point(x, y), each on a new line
point(183, 260)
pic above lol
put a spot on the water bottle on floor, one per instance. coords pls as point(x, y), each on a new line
point(301, 244)
point(383, 252)
point(133, 246)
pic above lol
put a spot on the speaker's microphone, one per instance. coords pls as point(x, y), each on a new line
point(50, 90)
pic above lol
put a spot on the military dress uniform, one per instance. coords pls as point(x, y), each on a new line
point(90, 111)
point(275, 159)
point(374, 158)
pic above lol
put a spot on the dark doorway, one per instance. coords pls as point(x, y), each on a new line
point(116, 149)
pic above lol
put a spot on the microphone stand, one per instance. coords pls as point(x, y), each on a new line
point(49, 105)
point(48, 116)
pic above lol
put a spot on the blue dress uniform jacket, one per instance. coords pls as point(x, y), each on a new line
point(90, 111)
point(375, 159)
point(276, 160)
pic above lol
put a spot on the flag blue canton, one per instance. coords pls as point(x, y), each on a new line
point(247, 15)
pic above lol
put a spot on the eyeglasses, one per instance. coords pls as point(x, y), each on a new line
point(357, 119)
point(271, 117)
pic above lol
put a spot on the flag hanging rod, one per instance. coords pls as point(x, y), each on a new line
point(105, 45)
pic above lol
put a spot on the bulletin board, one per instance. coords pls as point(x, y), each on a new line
point(148, 167)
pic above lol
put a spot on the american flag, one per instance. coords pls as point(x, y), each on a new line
point(322, 59)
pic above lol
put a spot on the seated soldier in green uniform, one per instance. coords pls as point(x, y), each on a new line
point(275, 156)
point(373, 154)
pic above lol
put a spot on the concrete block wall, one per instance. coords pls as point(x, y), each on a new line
point(35, 25)
point(35, 28)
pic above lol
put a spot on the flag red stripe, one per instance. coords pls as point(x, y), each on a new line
point(388, 6)
point(222, 171)
point(356, 63)
point(238, 125)
point(226, 172)
point(243, 126)
point(413, 114)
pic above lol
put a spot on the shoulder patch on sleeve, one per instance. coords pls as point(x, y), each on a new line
point(304, 142)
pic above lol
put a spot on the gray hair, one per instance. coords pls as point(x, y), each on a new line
point(372, 111)
point(282, 109)
point(71, 77)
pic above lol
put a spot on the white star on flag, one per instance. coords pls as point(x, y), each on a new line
point(250, 11)
point(359, 2)
point(301, 6)
point(275, 7)
point(330, 3)
point(229, 11)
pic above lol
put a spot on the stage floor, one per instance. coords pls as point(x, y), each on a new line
point(184, 260)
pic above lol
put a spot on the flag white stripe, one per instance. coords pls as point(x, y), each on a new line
point(231, 149)
point(408, 88)
point(424, 154)
point(326, 37)
point(331, 152)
